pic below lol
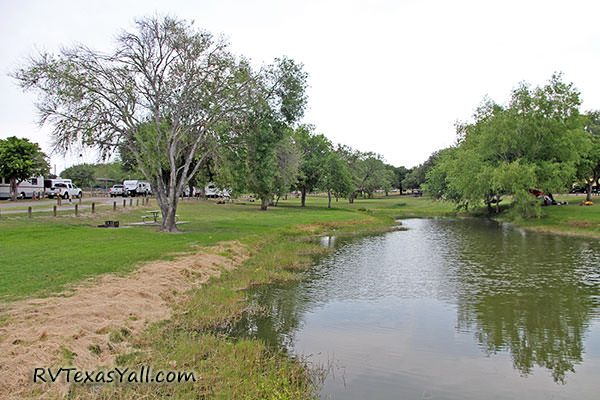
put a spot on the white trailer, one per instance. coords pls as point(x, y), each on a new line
point(137, 188)
point(29, 188)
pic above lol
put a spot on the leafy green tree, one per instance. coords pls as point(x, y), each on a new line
point(288, 162)
point(314, 150)
point(588, 166)
point(20, 159)
point(416, 176)
point(82, 175)
point(268, 125)
point(399, 176)
point(337, 179)
point(368, 174)
point(164, 93)
point(535, 142)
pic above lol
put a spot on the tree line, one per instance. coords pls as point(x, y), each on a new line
point(179, 107)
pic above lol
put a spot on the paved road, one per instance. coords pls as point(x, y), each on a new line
point(20, 207)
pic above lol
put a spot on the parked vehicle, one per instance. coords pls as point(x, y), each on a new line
point(29, 188)
point(67, 190)
point(137, 188)
point(213, 191)
point(50, 188)
point(117, 190)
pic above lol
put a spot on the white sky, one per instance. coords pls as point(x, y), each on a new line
point(385, 76)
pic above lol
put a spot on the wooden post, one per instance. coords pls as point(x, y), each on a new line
point(76, 210)
point(54, 210)
point(124, 203)
point(114, 205)
point(130, 202)
point(93, 208)
point(29, 211)
point(137, 202)
point(80, 199)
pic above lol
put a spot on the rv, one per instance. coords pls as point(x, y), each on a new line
point(137, 188)
point(210, 190)
point(29, 188)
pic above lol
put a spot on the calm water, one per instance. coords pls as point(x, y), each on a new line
point(450, 309)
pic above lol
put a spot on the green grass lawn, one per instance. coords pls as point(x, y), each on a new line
point(572, 218)
point(44, 254)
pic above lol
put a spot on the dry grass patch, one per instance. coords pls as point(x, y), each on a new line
point(92, 324)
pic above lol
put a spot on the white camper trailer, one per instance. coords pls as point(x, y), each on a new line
point(137, 188)
point(29, 188)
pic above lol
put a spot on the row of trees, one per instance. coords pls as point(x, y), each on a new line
point(303, 160)
point(539, 140)
point(178, 106)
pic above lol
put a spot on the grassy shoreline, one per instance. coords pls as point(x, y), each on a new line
point(228, 368)
point(46, 255)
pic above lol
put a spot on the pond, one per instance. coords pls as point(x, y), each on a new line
point(450, 308)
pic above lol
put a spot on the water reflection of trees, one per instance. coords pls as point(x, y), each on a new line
point(529, 295)
point(282, 310)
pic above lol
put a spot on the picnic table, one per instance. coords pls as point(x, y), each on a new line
point(154, 215)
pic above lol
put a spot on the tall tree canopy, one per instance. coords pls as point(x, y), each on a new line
point(535, 142)
point(314, 150)
point(268, 127)
point(164, 93)
point(20, 159)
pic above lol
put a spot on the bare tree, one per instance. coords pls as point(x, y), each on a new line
point(165, 94)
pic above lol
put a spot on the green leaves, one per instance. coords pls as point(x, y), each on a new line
point(536, 142)
point(21, 159)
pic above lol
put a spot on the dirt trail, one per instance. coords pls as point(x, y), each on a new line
point(76, 326)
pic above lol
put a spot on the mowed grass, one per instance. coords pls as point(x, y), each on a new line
point(45, 255)
point(570, 219)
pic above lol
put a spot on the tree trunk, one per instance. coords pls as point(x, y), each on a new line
point(351, 198)
point(303, 200)
point(329, 195)
point(13, 189)
point(168, 206)
point(277, 200)
point(168, 223)
point(588, 191)
point(497, 203)
point(264, 203)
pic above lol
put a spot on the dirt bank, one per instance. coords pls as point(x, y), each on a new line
point(79, 327)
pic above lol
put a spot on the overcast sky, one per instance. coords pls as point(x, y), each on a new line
point(385, 76)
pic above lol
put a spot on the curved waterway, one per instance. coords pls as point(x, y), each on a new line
point(449, 309)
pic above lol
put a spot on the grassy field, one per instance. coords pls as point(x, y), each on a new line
point(43, 255)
